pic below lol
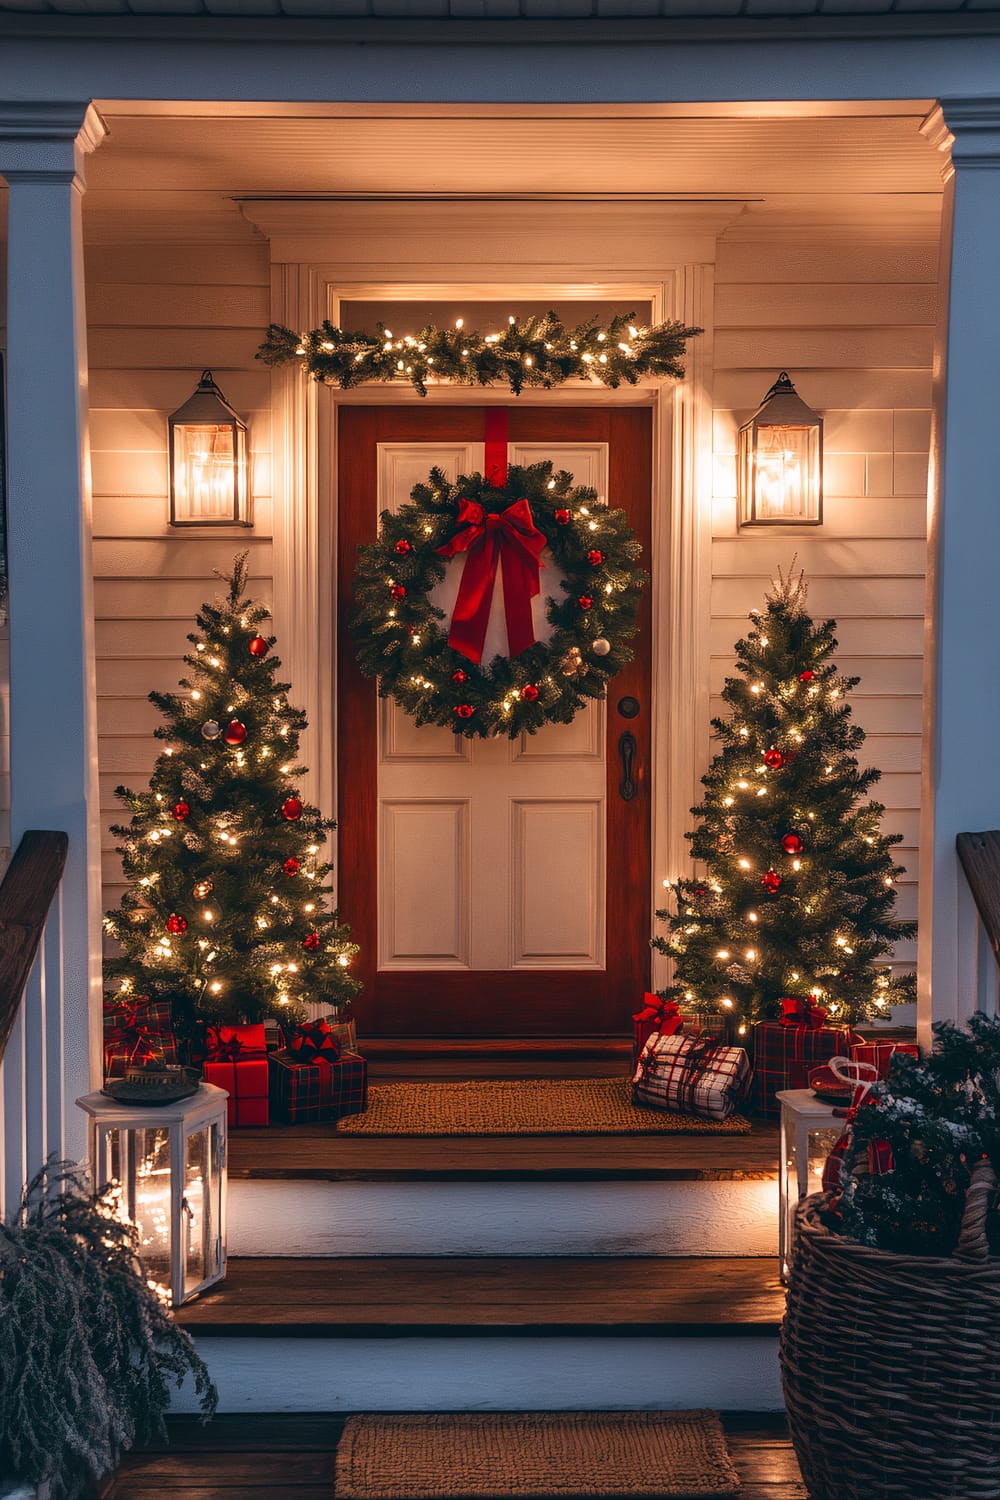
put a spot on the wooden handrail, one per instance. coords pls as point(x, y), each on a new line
point(26, 893)
point(980, 857)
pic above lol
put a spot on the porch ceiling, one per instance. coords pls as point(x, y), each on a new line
point(466, 10)
point(192, 165)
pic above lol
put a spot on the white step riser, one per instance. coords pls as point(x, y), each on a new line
point(503, 1218)
point(491, 1374)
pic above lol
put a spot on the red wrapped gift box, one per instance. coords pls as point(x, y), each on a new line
point(236, 1060)
point(657, 1017)
point(136, 1032)
point(880, 1053)
point(785, 1051)
point(325, 1088)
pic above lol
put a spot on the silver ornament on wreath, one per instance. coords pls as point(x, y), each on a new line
point(601, 647)
point(211, 729)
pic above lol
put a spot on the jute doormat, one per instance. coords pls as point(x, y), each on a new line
point(565, 1106)
point(494, 1454)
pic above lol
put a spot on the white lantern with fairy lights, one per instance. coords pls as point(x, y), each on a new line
point(170, 1161)
point(809, 1131)
point(779, 471)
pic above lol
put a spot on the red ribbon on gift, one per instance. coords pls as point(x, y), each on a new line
point(665, 1014)
point(511, 539)
point(313, 1041)
point(798, 1010)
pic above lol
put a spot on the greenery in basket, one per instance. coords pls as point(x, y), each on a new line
point(88, 1351)
point(937, 1116)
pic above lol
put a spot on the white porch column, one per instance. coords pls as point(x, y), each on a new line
point(52, 692)
point(961, 770)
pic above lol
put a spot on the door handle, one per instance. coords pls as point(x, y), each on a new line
point(627, 748)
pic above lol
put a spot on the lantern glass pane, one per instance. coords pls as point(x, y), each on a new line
point(205, 471)
point(152, 1200)
point(196, 1208)
point(786, 474)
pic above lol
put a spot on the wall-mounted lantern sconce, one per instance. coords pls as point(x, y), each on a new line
point(780, 461)
point(208, 461)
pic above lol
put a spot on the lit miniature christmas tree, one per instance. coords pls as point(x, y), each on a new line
point(227, 913)
point(799, 890)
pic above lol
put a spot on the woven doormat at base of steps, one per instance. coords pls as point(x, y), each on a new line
point(489, 1455)
point(531, 1106)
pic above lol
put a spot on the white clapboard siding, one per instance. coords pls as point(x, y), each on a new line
point(158, 315)
point(850, 315)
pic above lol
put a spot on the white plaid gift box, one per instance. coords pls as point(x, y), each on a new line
point(691, 1076)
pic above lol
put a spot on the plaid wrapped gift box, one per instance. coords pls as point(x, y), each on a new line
point(322, 1089)
point(236, 1060)
point(786, 1051)
point(136, 1032)
point(341, 1026)
point(691, 1076)
point(879, 1054)
point(657, 1018)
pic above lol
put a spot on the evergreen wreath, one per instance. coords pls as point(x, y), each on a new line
point(537, 351)
point(398, 631)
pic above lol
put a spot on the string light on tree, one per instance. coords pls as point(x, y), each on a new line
point(802, 878)
point(244, 833)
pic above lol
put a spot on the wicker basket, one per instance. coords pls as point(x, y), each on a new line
point(891, 1363)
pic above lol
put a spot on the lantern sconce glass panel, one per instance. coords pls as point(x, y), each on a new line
point(207, 442)
point(779, 469)
point(170, 1163)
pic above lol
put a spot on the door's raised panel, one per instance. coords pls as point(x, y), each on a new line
point(587, 462)
point(402, 465)
point(424, 919)
point(557, 873)
point(400, 739)
point(583, 739)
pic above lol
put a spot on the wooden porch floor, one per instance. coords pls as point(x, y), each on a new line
point(260, 1457)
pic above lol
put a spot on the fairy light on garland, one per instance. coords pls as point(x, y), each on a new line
point(538, 352)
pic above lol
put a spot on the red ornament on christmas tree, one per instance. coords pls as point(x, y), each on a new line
point(529, 692)
point(181, 811)
point(398, 591)
point(458, 677)
point(595, 558)
point(236, 732)
point(291, 809)
point(291, 865)
point(258, 647)
point(773, 758)
point(311, 942)
point(806, 676)
point(176, 924)
point(770, 880)
point(403, 546)
point(791, 843)
point(585, 601)
point(562, 517)
point(464, 710)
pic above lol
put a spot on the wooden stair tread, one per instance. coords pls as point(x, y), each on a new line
point(258, 1456)
point(399, 1296)
point(317, 1151)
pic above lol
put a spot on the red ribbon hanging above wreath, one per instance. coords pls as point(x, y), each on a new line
point(509, 538)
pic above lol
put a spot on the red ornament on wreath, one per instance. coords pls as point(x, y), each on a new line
point(176, 924)
point(291, 809)
point(403, 547)
point(291, 865)
point(563, 518)
point(236, 732)
point(464, 710)
point(258, 647)
point(770, 880)
point(529, 692)
point(595, 558)
point(181, 811)
point(806, 676)
point(774, 758)
point(791, 843)
point(585, 601)
point(398, 591)
point(311, 942)
point(458, 677)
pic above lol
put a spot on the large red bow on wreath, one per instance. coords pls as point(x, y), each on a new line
point(512, 539)
point(800, 1011)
